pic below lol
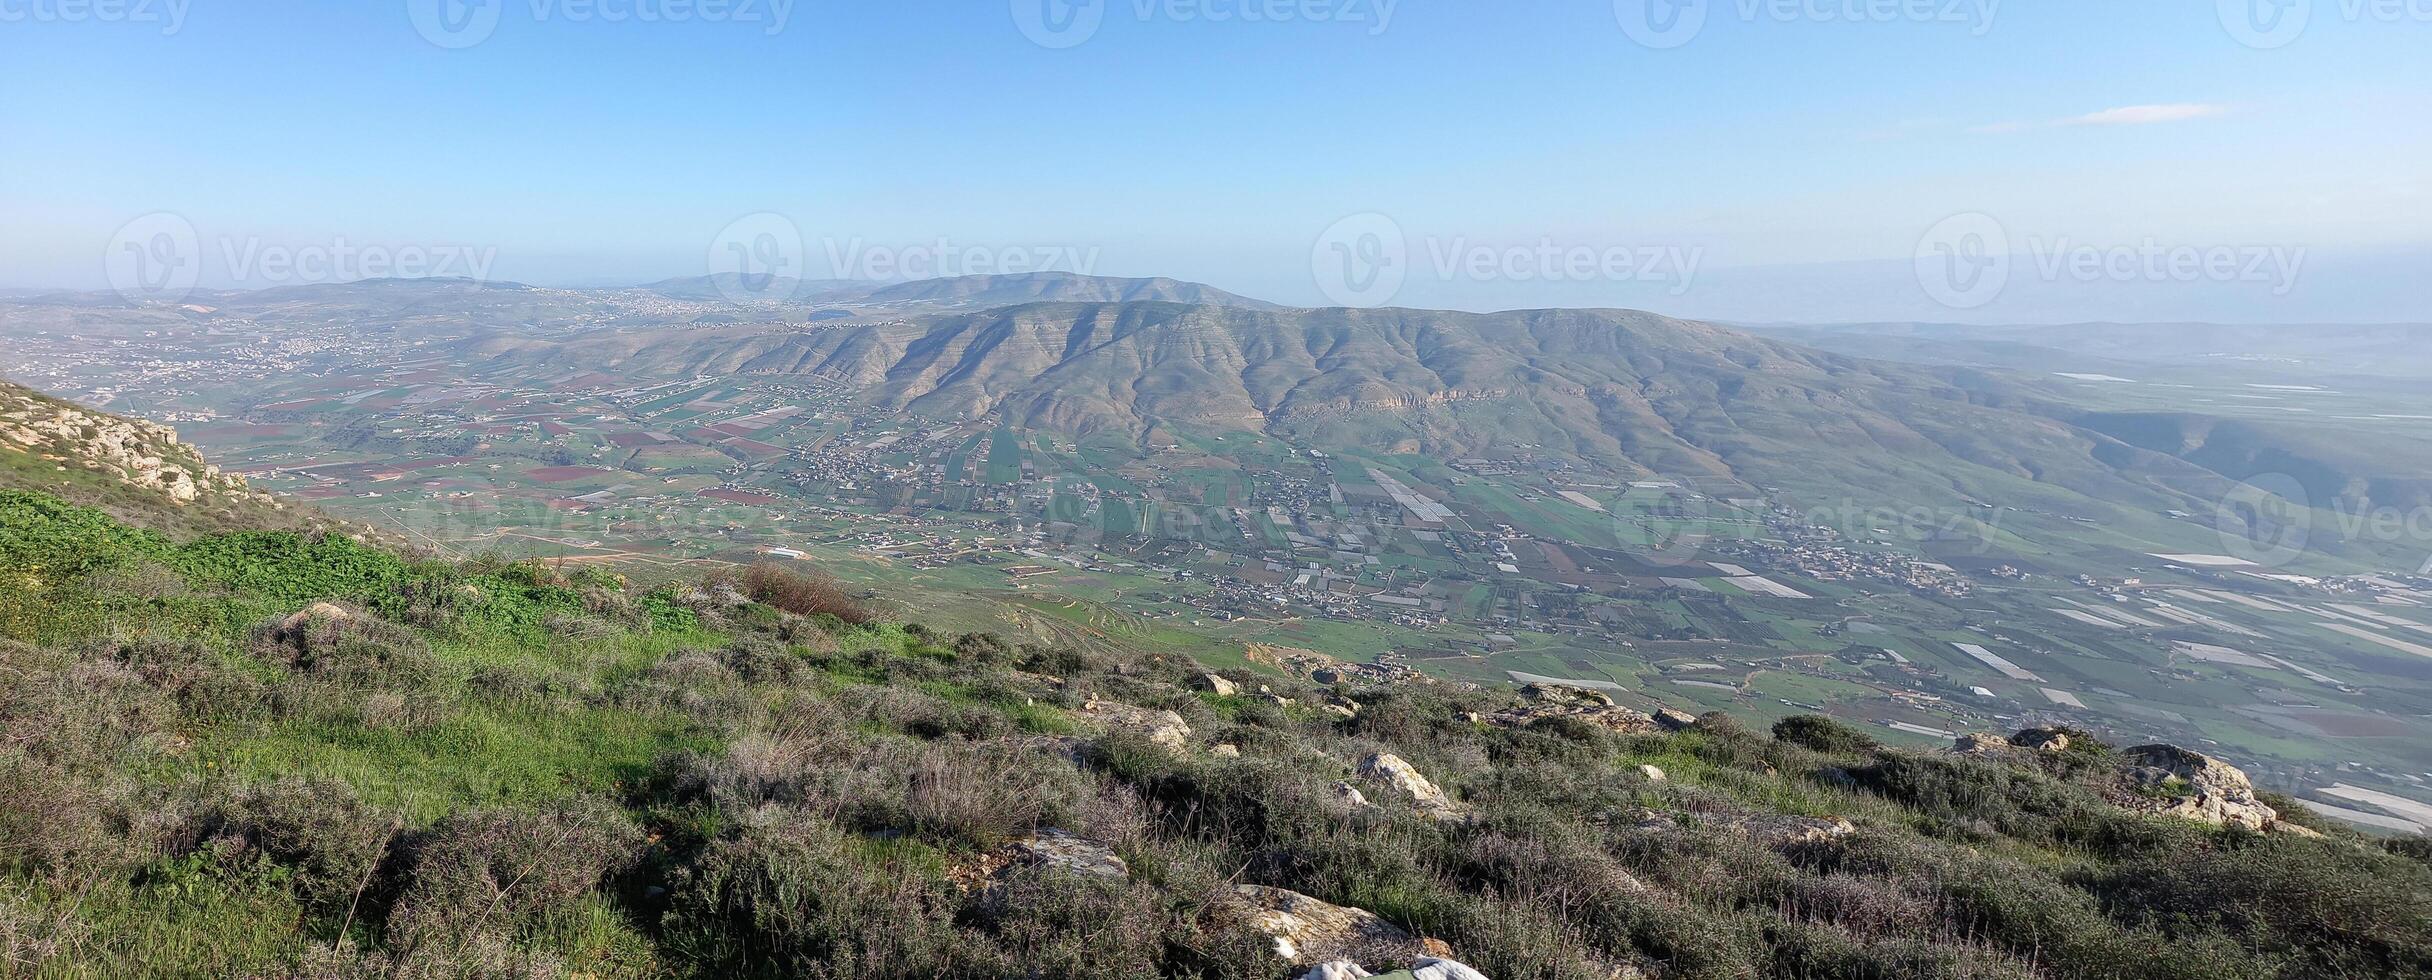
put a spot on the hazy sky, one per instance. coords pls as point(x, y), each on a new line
point(1765, 161)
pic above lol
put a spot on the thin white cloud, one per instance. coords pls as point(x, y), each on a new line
point(2131, 115)
point(2145, 115)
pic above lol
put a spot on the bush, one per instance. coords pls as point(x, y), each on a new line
point(1966, 796)
point(2417, 848)
point(2339, 909)
point(319, 829)
point(800, 898)
point(491, 872)
point(352, 649)
point(800, 593)
point(1824, 735)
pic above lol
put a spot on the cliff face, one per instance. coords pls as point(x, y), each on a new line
point(145, 454)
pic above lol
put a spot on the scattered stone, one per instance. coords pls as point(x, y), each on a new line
point(1060, 851)
point(1227, 752)
point(1549, 701)
point(1162, 727)
point(1675, 720)
point(1218, 686)
point(1351, 794)
point(1981, 744)
point(1427, 968)
point(1764, 829)
point(1652, 774)
point(320, 611)
point(1437, 968)
point(1390, 770)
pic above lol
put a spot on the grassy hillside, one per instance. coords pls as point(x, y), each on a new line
point(502, 770)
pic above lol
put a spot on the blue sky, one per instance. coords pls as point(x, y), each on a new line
point(1800, 158)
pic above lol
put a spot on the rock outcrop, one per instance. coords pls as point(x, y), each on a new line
point(1162, 727)
point(1390, 771)
point(1049, 852)
point(144, 454)
point(1677, 721)
point(2046, 739)
point(1060, 851)
point(1547, 701)
point(1308, 931)
point(1427, 968)
point(2176, 782)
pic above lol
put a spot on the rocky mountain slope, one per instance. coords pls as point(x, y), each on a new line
point(132, 468)
point(1635, 393)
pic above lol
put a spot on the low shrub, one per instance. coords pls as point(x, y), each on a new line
point(800, 593)
point(1824, 735)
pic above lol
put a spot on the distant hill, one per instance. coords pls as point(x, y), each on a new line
point(1635, 392)
point(954, 291)
point(1052, 287)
